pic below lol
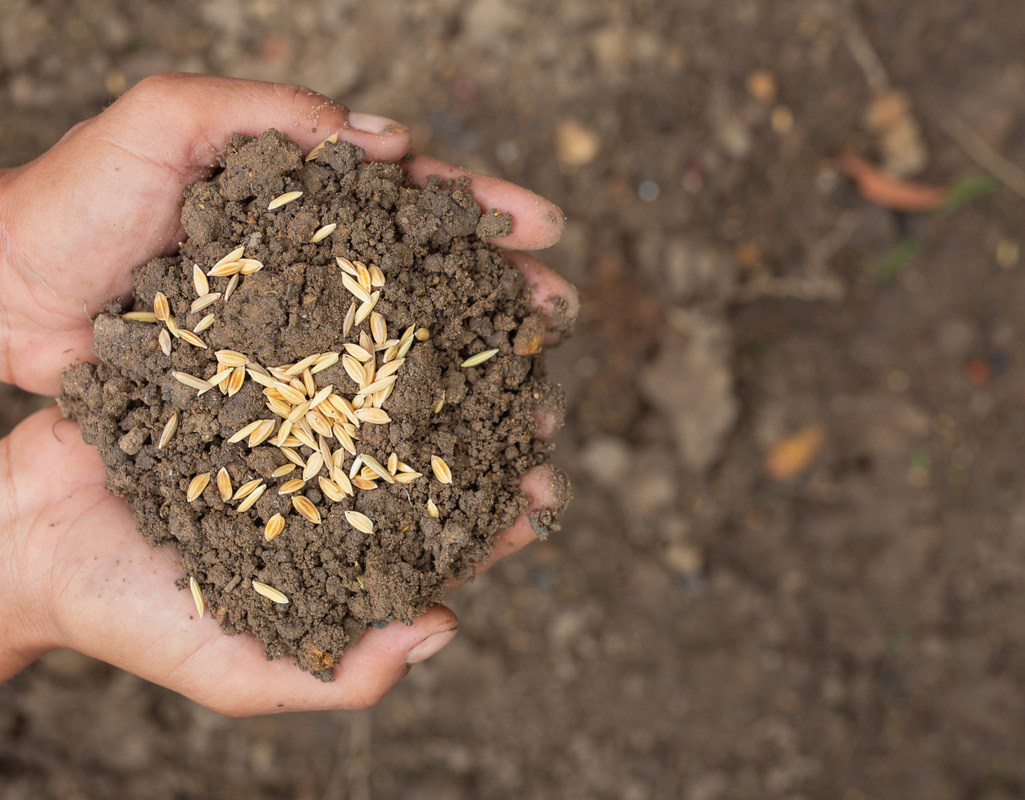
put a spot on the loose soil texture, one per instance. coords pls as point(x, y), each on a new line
point(338, 572)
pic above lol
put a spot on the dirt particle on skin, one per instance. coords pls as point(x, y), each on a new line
point(440, 274)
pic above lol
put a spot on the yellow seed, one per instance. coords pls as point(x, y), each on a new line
point(250, 501)
point(283, 199)
point(242, 433)
point(270, 593)
point(393, 463)
point(360, 522)
point(169, 430)
point(275, 525)
point(378, 327)
point(224, 484)
point(283, 470)
point(441, 469)
point(293, 485)
point(323, 233)
point(160, 307)
point(204, 324)
point(234, 255)
point(197, 596)
point(332, 491)
point(262, 431)
point(307, 509)
point(192, 339)
point(164, 340)
point(480, 358)
point(247, 489)
point(376, 276)
point(197, 485)
point(229, 290)
point(432, 509)
point(140, 316)
point(373, 415)
point(363, 483)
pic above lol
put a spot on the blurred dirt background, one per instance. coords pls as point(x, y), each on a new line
point(795, 567)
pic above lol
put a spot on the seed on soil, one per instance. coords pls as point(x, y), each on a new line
point(164, 340)
point(204, 301)
point(364, 310)
point(355, 289)
point(234, 255)
point(422, 334)
point(275, 525)
point(323, 233)
point(229, 290)
point(441, 469)
point(247, 488)
point(480, 358)
point(261, 433)
point(140, 316)
point(172, 326)
point(160, 307)
point(294, 485)
point(357, 352)
point(332, 491)
point(204, 323)
point(299, 366)
point(197, 486)
point(283, 470)
point(324, 361)
point(283, 199)
point(393, 463)
point(350, 316)
point(192, 339)
point(376, 276)
point(354, 369)
point(314, 465)
point(224, 484)
point(292, 456)
point(362, 274)
point(231, 358)
point(376, 467)
point(219, 377)
point(306, 508)
point(289, 393)
point(169, 429)
point(270, 593)
point(440, 404)
point(378, 327)
point(360, 522)
point(242, 433)
point(223, 270)
point(432, 509)
point(249, 266)
point(316, 150)
point(404, 347)
point(373, 415)
point(261, 378)
point(192, 381)
point(197, 596)
point(378, 385)
point(238, 377)
point(407, 477)
point(250, 501)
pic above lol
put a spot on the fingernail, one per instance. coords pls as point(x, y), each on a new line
point(371, 123)
point(429, 646)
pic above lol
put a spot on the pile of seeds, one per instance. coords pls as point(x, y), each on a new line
point(324, 400)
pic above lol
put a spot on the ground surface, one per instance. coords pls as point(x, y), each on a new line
point(700, 629)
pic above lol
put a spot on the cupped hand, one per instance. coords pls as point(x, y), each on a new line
point(73, 225)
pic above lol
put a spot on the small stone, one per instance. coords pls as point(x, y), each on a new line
point(132, 442)
point(575, 145)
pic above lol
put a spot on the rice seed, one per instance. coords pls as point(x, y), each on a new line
point(318, 422)
point(299, 366)
point(378, 327)
point(358, 402)
point(242, 433)
point(306, 508)
point(197, 486)
point(407, 477)
point(390, 368)
point(224, 484)
point(219, 377)
point(323, 233)
point(363, 275)
point(441, 469)
point(346, 266)
point(354, 369)
point(391, 351)
point(357, 352)
point(250, 501)
point(275, 525)
point(279, 373)
point(140, 316)
point(172, 326)
point(325, 449)
point(204, 300)
point(374, 416)
point(393, 463)
point(169, 430)
point(376, 276)
point(404, 347)
point(261, 378)
point(225, 269)
point(247, 489)
point(341, 480)
point(229, 290)
point(344, 439)
point(234, 255)
point(378, 385)
point(204, 323)
point(313, 466)
point(478, 359)
point(164, 340)
point(197, 596)
point(440, 404)
point(283, 470)
point(321, 395)
point(381, 395)
point(290, 393)
point(350, 316)
point(355, 289)
point(360, 522)
point(331, 490)
point(432, 509)
point(270, 593)
point(249, 266)
point(192, 339)
point(304, 438)
point(363, 483)
point(364, 310)
point(317, 150)
point(231, 358)
point(375, 466)
point(192, 381)
point(357, 462)
point(293, 485)
point(309, 383)
point(279, 407)
point(283, 199)
point(324, 361)
point(297, 413)
point(161, 309)
point(238, 376)
point(261, 433)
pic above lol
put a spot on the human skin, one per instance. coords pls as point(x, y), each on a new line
point(74, 223)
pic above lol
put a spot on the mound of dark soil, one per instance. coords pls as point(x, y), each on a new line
point(303, 339)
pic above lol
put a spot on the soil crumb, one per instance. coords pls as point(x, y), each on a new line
point(316, 373)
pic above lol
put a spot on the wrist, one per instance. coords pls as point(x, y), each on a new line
point(23, 626)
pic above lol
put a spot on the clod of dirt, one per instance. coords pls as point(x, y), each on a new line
point(360, 544)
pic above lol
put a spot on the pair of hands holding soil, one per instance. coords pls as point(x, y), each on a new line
point(73, 225)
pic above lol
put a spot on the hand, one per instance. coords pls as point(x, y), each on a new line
point(73, 225)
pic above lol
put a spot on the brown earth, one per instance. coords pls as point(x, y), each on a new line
point(699, 629)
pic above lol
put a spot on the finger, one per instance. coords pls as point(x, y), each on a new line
point(537, 222)
point(555, 298)
point(549, 492)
